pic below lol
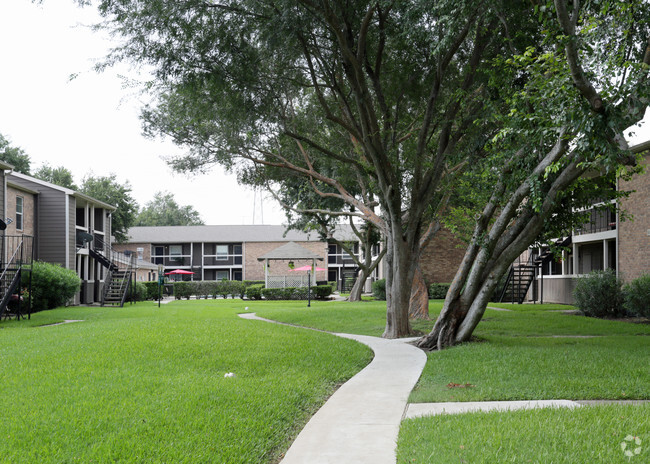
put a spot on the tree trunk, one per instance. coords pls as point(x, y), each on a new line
point(400, 270)
point(419, 303)
point(357, 288)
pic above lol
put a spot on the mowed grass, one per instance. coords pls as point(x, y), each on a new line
point(142, 384)
point(586, 435)
point(361, 318)
point(532, 352)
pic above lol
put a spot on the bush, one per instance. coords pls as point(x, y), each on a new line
point(637, 297)
point(183, 290)
point(379, 289)
point(322, 291)
point(333, 284)
point(438, 291)
point(289, 293)
point(600, 294)
point(237, 288)
point(254, 292)
point(140, 293)
point(52, 285)
point(248, 283)
point(152, 290)
point(203, 289)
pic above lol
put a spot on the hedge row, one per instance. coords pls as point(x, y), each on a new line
point(319, 292)
point(251, 289)
point(436, 291)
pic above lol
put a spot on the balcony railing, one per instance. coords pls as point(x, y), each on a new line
point(223, 260)
point(600, 220)
point(340, 258)
point(172, 260)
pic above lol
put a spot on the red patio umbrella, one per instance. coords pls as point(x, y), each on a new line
point(307, 268)
point(178, 271)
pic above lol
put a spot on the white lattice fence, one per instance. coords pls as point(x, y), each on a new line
point(287, 281)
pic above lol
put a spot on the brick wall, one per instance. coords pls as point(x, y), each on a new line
point(441, 258)
point(28, 211)
point(254, 269)
point(634, 235)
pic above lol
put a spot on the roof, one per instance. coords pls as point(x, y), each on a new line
point(640, 147)
point(290, 250)
point(227, 234)
point(6, 166)
point(38, 182)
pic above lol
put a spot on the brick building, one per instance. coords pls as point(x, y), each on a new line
point(226, 251)
point(605, 242)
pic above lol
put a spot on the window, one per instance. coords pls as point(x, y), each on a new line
point(140, 252)
point(237, 251)
point(223, 275)
point(158, 253)
point(175, 252)
point(222, 252)
point(19, 213)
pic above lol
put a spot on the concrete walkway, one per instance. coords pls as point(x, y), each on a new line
point(360, 422)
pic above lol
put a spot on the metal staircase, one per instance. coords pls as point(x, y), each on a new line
point(17, 257)
point(120, 270)
point(521, 275)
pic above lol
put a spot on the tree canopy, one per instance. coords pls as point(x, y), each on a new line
point(109, 190)
point(386, 105)
point(59, 176)
point(14, 156)
point(163, 210)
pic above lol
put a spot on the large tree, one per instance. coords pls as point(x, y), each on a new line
point(14, 156)
point(419, 89)
point(272, 83)
point(560, 147)
point(109, 190)
point(59, 176)
point(163, 210)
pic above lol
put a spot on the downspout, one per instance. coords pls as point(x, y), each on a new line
point(67, 232)
point(618, 229)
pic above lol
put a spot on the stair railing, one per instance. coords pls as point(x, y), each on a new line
point(10, 278)
point(118, 261)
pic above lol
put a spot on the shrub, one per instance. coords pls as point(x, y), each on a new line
point(600, 294)
point(322, 291)
point(637, 297)
point(289, 293)
point(254, 292)
point(52, 285)
point(333, 284)
point(237, 288)
point(248, 283)
point(275, 293)
point(152, 290)
point(438, 291)
point(183, 290)
point(140, 293)
point(379, 289)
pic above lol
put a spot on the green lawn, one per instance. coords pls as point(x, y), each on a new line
point(588, 435)
point(527, 353)
point(143, 384)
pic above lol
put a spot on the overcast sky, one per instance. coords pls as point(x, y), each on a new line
point(90, 124)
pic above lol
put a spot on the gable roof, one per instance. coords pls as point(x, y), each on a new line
point(36, 183)
point(290, 250)
point(226, 234)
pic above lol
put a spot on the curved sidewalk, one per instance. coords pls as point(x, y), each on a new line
point(360, 422)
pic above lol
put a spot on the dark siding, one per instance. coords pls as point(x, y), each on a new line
point(51, 224)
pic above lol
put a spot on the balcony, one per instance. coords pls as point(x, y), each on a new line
point(600, 220)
